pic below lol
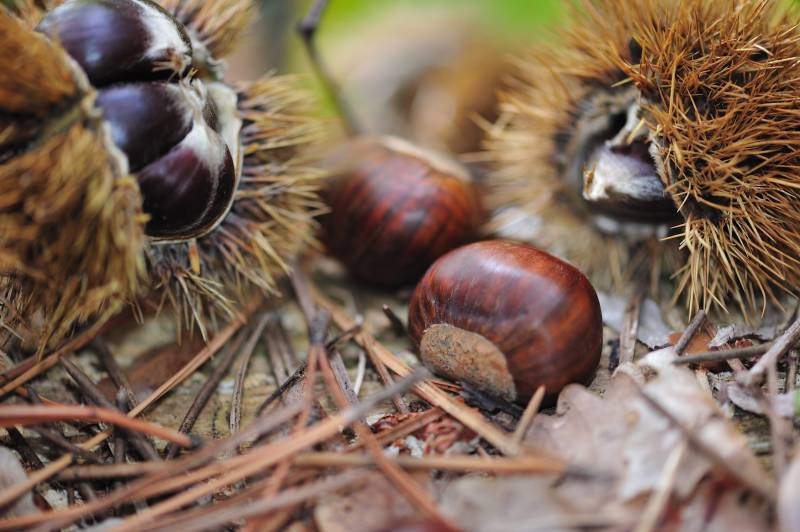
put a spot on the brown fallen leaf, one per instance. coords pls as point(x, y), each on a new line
point(152, 369)
point(656, 474)
point(370, 508)
point(789, 498)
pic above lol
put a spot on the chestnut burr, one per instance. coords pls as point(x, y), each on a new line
point(507, 318)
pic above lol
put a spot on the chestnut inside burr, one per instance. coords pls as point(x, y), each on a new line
point(614, 165)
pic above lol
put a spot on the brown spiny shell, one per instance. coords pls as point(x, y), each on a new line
point(716, 85)
point(72, 240)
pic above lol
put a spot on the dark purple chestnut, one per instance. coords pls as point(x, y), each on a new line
point(147, 119)
point(188, 190)
point(507, 318)
point(395, 208)
point(120, 40)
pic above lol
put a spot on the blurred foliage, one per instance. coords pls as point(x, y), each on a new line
point(516, 16)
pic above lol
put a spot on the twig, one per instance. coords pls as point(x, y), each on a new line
point(142, 444)
point(308, 29)
point(169, 476)
point(11, 415)
point(241, 373)
point(361, 371)
point(791, 374)
point(723, 354)
point(305, 294)
point(24, 448)
point(118, 376)
point(34, 367)
point(206, 392)
point(268, 455)
point(298, 374)
point(410, 489)
point(212, 520)
point(779, 348)
point(13, 493)
point(630, 324)
point(394, 320)
point(529, 415)
point(698, 320)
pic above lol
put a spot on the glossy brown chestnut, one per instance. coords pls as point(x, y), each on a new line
point(507, 318)
point(395, 209)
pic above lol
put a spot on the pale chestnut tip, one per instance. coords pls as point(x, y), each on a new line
point(507, 318)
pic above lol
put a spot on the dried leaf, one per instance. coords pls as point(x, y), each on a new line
point(370, 508)
point(789, 498)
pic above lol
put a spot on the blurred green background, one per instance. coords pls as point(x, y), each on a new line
point(506, 16)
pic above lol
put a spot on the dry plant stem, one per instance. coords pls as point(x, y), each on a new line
point(142, 444)
point(630, 324)
point(206, 392)
point(779, 348)
point(529, 415)
point(15, 492)
point(405, 484)
point(241, 373)
point(405, 428)
point(298, 374)
point(37, 367)
point(11, 415)
point(305, 294)
point(394, 320)
point(255, 508)
point(791, 374)
point(323, 460)
point(780, 429)
point(261, 458)
point(697, 322)
point(766, 490)
point(29, 456)
point(345, 336)
point(723, 355)
point(307, 28)
point(59, 440)
point(425, 390)
point(114, 371)
point(318, 325)
point(167, 477)
point(660, 498)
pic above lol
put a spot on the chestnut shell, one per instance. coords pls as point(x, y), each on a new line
point(112, 42)
point(540, 312)
point(394, 210)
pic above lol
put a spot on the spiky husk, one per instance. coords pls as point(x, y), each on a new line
point(718, 86)
point(66, 204)
point(271, 220)
point(218, 24)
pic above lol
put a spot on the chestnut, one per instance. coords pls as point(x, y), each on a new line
point(120, 40)
point(395, 208)
point(507, 318)
point(179, 142)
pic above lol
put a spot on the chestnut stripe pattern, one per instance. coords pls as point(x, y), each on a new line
point(539, 311)
point(393, 213)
